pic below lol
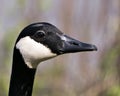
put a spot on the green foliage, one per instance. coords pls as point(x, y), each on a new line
point(2, 87)
point(21, 2)
point(110, 59)
point(9, 41)
point(48, 83)
point(45, 4)
point(114, 91)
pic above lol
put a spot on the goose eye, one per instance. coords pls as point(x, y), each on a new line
point(40, 34)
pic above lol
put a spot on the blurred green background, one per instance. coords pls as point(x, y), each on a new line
point(80, 74)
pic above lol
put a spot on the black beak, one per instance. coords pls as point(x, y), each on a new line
point(71, 45)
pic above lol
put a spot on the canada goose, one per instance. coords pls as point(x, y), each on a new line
point(36, 43)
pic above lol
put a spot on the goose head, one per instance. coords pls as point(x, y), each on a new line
point(41, 41)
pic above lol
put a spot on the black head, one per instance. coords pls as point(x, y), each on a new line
point(40, 41)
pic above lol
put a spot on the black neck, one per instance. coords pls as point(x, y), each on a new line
point(22, 77)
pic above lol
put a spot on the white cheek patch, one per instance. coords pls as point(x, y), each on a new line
point(33, 52)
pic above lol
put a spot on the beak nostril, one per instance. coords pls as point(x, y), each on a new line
point(74, 43)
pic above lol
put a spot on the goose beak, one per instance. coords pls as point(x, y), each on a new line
point(71, 45)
